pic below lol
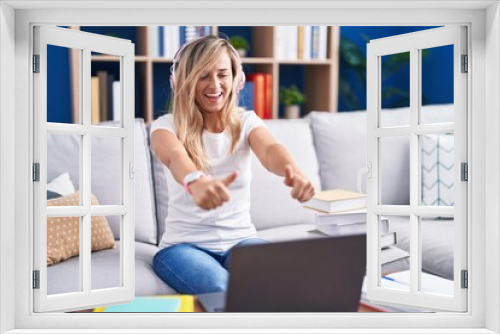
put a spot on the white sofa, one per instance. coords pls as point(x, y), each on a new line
point(329, 147)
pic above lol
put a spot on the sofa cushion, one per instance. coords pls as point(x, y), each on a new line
point(63, 156)
point(271, 203)
point(340, 141)
point(437, 243)
point(63, 277)
point(438, 169)
point(160, 172)
point(63, 238)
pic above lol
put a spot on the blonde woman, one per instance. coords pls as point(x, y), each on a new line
point(206, 144)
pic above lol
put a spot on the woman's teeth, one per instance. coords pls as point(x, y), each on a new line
point(213, 97)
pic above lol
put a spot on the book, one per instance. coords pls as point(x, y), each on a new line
point(258, 80)
point(336, 200)
point(247, 96)
point(116, 100)
point(268, 96)
point(300, 42)
point(292, 37)
point(386, 239)
point(95, 116)
point(307, 42)
point(153, 304)
point(322, 46)
point(111, 79)
point(327, 225)
point(103, 95)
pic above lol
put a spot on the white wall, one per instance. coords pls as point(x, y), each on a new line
point(492, 162)
point(7, 163)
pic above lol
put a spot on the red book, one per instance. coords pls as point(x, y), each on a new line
point(259, 80)
point(268, 105)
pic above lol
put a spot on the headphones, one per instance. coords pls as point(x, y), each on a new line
point(242, 77)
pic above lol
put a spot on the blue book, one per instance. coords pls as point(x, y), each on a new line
point(182, 37)
point(247, 96)
point(162, 44)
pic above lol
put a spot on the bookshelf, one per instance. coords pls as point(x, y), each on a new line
point(318, 79)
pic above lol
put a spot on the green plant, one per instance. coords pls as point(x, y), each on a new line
point(292, 95)
point(239, 42)
point(353, 60)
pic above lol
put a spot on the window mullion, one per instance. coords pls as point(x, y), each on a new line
point(85, 177)
point(415, 89)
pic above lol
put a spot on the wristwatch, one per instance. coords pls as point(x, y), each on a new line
point(191, 177)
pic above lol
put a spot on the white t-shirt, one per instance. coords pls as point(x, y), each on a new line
point(225, 226)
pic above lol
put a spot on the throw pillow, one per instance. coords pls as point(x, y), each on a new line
point(63, 238)
point(62, 185)
point(437, 169)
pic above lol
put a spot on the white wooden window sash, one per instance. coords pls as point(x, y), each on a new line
point(85, 43)
point(414, 43)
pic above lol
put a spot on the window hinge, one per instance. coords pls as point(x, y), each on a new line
point(465, 63)
point(465, 171)
point(465, 279)
point(36, 279)
point(36, 172)
point(36, 63)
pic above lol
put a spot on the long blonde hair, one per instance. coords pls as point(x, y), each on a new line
point(192, 60)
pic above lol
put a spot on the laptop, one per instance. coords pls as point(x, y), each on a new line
point(310, 275)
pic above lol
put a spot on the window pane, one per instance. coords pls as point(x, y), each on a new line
point(395, 170)
point(107, 170)
point(437, 95)
point(105, 90)
point(394, 244)
point(106, 255)
point(63, 164)
point(63, 77)
point(437, 169)
point(63, 249)
point(395, 88)
point(437, 255)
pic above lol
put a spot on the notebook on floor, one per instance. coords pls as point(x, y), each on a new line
point(311, 275)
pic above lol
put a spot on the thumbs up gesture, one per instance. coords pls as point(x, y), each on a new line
point(302, 188)
point(209, 194)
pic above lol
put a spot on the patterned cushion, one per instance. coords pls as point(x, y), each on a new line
point(437, 169)
point(63, 236)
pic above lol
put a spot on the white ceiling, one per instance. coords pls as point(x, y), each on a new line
point(232, 4)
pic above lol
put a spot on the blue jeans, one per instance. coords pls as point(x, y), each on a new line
point(190, 269)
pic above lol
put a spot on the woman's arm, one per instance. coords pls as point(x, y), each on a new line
point(207, 193)
point(275, 158)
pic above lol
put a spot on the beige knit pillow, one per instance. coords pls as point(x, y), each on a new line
point(63, 238)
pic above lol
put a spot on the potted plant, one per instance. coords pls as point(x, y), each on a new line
point(241, 44)
point(292, 99)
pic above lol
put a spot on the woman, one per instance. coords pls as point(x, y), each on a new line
point(205, 144)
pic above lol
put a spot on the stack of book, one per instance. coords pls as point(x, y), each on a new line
point(262, 100)
point(301, 42)
point(343, 212)
point(105, 97)
point(164, 41)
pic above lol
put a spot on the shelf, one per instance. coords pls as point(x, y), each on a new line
point(318, 79)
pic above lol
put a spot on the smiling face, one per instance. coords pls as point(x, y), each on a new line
point(214, 85)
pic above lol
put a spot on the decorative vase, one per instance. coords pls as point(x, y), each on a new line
point(292, 111)
point(242, 52)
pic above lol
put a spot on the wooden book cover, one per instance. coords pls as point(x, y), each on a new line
point(94, 101)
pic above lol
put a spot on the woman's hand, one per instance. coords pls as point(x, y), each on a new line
point(302, 188)
point(209, 194)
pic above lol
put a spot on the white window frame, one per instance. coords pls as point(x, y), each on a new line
point(484, 103)
point(85, 43)
point(414, 43)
